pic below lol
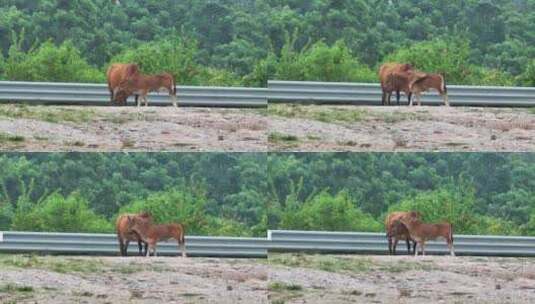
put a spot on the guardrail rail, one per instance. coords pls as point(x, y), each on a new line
point(276, 241)
point(376, 243)
point(277, 91)
point(98, 94)
point(370, 94)
point(107, 244)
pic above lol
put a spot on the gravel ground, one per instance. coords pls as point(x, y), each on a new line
point(284, 278)
point(401, 279)
point(131, 280)
point(385, 129)
point(77, 128)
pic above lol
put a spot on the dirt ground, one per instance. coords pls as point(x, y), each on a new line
point(401, 279)
point(283, 278)
point(77, 128)
point(30, 279)
point(385, 129)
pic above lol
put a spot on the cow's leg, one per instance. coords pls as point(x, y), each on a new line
point(121, 245)
point(183, 249)
point(408, 245)
point(126, 247)
point(140, 247)
point(394, 247)
point(398, 96)
point(423, 248)
point(450, 245)
point(173, 98)
point(389, 244)
point(410, 96)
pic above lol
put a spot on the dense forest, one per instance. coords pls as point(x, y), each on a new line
point(244, 194)
point(212, 193)
point(237, 42)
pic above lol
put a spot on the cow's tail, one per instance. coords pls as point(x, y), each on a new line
point(182, 240)
point(451, 233)
point(173, 83)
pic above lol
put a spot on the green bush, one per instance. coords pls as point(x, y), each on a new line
point(188, 208)
point(49, 62)
point(331, 213)
point(450, 57)
point(321, 62)
point(172, 56)
point(442, 205)
point(59, 214)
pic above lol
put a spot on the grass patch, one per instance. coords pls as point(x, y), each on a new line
point(313, 137)
point(135, 268)
point(75, 143)
point(128, 143)
point(396, 117)
point(48, 114)
point(279, 286)
point(347, 264)
point(60, 265)
point(281, 292)
point(319, 113)
point(324, 262)
point(284, 140)
point(10, 288)
point(4, 138)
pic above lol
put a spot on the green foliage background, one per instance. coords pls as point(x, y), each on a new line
point(237, 42)
point(244, 194)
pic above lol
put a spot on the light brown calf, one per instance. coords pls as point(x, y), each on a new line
point(152, 234)
point(422, 232)
point(125, 234)
point(141, 85)
point(396, 231)
point(421, 84)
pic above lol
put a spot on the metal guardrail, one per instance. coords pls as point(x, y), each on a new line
point(277, 91)
point(376, 243)
point(106, 244)
point(276, 241)
point(98, 94)
point(370, 94)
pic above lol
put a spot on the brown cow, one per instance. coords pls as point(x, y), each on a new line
point(116, 73)
point(397, 231)
point(125, 234)
point(422, 232)
point(143, 84)
point(429, 81)
point(151, 234)
point(393, 77)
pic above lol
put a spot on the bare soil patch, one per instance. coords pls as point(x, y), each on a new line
point(77, 128)
point(400, 279)
point(26, 279)
point(324, 128)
